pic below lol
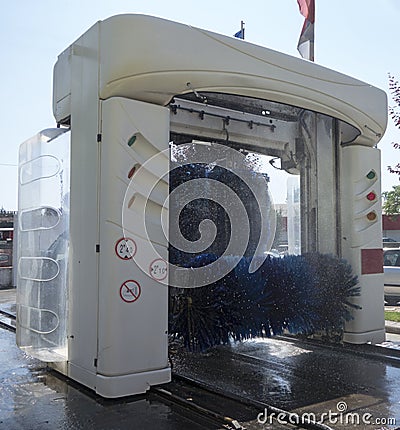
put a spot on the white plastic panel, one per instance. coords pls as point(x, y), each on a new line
point(133, 306)
point(362, 234)
point(163, 64)
point(360, 177)
point(84, 228)
point(151, 59)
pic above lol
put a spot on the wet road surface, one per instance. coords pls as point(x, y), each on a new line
point(33, 397)
point(347, 389)
point(303, 377)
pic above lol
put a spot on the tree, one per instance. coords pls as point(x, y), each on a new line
point(394, 112)
point(391, 206)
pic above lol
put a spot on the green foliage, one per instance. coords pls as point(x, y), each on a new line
point(391, 205)
point(392, 316)
point(394, 112)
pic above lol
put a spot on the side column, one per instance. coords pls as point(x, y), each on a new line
point(361, 240)
point(133, 255)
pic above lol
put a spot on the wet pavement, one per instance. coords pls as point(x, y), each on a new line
point(300, 377)
point(34, 397)
point(348, 388)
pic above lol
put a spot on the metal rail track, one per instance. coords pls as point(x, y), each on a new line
point(182, 384)
point(389, 355)
point(211, 415)
point(6, 320)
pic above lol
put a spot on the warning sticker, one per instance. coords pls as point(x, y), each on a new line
point(130, 291)
point(125, 248)
point(158, 269)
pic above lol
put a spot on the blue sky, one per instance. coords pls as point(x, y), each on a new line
point(356, 37)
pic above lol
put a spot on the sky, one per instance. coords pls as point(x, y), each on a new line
point(357, 37)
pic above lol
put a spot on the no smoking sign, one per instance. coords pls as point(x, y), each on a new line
point(130, 291)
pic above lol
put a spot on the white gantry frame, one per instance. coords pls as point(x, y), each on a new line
point(114, 84)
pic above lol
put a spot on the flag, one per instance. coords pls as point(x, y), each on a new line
point(240, 33)
point(306, 41)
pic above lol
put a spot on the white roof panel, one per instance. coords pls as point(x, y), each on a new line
point(152, 59)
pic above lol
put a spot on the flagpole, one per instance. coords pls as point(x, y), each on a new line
point(240, 33)
point(305, 44)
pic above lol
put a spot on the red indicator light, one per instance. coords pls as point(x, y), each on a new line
point(131, 172)
point(371, 196)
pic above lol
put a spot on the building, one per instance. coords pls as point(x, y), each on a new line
point(391, 227)
point(6, 247)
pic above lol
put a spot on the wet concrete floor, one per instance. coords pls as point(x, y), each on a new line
point(34, 397)
point(305, 378)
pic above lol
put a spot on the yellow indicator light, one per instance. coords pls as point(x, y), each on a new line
point(371, 216)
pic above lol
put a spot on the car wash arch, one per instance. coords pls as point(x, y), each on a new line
point(95, 217)
point(289, 136)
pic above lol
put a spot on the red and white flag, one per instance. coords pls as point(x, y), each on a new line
point(306, 41)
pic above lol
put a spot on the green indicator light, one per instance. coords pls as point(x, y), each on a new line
point(371, 174)
point(132, 140)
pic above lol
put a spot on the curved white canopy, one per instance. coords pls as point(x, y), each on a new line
point(152, 59)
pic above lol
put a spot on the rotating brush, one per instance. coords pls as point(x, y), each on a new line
point(295, 294)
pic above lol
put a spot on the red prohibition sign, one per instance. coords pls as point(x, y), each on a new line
point(130, 291)
point(125, 248)
point(158, 269)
